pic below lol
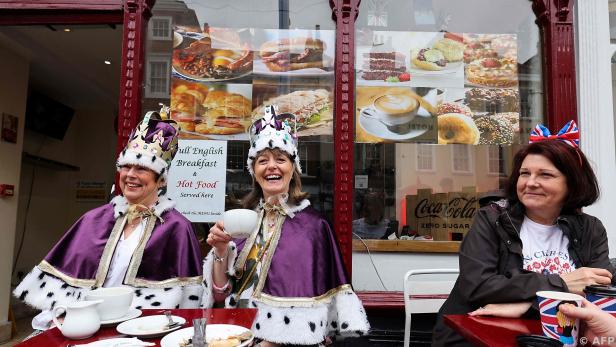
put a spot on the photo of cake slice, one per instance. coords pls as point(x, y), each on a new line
point(382, 65)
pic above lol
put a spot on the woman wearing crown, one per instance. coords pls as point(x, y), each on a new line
point(137, 240)
point(290, 267)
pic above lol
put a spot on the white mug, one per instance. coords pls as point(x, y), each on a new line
point(116, 301)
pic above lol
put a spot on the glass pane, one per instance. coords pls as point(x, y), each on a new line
point(227, 60)
point(446, 92)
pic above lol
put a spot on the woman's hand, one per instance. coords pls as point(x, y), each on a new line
point(508, 310)
point(219, 239)
point(585, 276)
point(599, 327)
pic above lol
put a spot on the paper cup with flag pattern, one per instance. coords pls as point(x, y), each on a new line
point(553, 322)
point(602, 296)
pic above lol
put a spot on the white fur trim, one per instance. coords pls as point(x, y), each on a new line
point(207, 300)
point(172, 297)
point(130, 157)
point(263, 142)
point(344, 315)
point(120, 205)
point(302, 205)
point(44, 292)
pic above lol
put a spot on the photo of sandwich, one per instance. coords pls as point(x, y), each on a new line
point(313, 109)
point(215, 111)
point(294, 52)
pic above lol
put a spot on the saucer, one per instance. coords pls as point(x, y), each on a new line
point(132, 313)
point(149, 326)
point(376, 128)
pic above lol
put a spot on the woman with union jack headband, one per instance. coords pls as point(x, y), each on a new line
point(289, 268)
point(536, 239)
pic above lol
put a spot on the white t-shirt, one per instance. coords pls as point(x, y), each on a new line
point(545, 248)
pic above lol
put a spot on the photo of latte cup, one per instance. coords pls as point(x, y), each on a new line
point(396, 111)
point(240, 223)
point(602, 296)
point(553, 322)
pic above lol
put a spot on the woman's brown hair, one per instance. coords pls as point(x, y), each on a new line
point(296, 195)
point(582, 186)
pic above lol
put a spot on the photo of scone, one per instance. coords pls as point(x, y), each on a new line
point(429, 59)
point(452, 50)
point(457, 128)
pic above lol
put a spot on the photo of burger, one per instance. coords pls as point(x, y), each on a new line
point(226, 113)
point(303, 52)
point(313, 109)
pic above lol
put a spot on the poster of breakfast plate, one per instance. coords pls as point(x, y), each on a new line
point(395, 114)
point(312, 106)
point(216, 111)
point(423, 59)
point(212, 55)
point(296, 52)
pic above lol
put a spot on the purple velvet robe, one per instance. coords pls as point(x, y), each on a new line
point(307, 262)
point(172, 250)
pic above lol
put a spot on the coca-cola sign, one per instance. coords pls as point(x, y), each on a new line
point(458, 207)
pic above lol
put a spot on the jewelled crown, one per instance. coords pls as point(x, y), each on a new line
point(152, 144)
point(273, 131)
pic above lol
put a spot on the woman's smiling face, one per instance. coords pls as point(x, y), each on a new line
point(273, 172)
point(138, 184)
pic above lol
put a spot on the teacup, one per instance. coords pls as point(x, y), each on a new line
point(553, 322)
point(116, 301)
point(393, 109)
point(240, 223)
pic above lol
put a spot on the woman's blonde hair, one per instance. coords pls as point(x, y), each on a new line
point(296, 195)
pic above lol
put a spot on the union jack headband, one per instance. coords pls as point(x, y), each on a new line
point(568, 134)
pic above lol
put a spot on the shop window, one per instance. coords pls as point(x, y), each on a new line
point(157, 85)
point(461, 159)
point(217, 65)
point(160, 28)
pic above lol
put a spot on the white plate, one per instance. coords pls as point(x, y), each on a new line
point(449, 69)
point(124, 342)
point(259, 68)
point(212, 331)
point(149, 326)
point(376, 128)
point(132, 313)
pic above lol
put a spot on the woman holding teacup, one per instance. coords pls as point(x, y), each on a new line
point(289, 268)
point(537, 239)
point(137, 240)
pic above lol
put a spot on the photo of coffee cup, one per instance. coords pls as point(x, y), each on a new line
point(396, 111)
point(553, 322)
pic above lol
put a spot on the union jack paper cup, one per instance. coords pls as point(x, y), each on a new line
point(553, 322)
point(602, 296)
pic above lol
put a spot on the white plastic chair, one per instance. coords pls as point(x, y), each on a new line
point(425, 296)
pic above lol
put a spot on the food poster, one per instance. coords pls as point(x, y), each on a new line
point(294, 53)
point(311, 103)
point(212, 54)
point(216, 111)
point(197, 179)
point(418, 59)
point(396, 114)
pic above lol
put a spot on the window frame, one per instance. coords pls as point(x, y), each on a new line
point(148, 75)
point(169, 20)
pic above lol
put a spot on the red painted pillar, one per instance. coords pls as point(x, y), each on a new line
point(344, 12)
point(136, 16)
point(555, 21)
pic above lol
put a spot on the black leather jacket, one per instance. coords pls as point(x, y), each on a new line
point(491, 269)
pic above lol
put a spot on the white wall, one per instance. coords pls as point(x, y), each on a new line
point(392, 266)
point(13, 92)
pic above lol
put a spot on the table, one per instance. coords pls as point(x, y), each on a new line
point(240, 316)
point(492, 331)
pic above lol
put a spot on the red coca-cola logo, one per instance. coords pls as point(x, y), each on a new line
point(458, 207)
